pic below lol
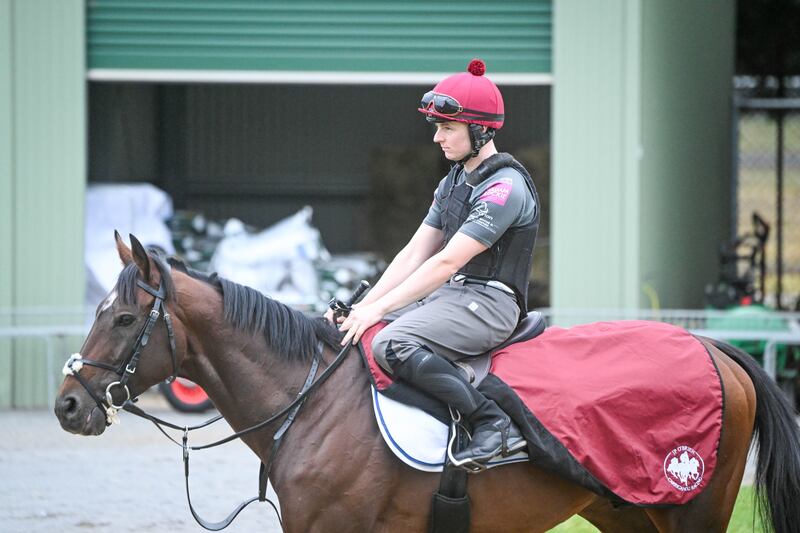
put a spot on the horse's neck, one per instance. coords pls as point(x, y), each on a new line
point(331, 437)
point(246, 383)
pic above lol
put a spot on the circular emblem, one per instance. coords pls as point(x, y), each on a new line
point(683, 468)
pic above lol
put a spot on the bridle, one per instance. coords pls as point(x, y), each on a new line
point(128, 367)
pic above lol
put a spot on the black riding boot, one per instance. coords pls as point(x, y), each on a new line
point(492, 431)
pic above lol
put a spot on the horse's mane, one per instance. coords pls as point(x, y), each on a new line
point(289, 333)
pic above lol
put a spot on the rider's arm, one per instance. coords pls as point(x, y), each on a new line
point(432, 273)
point(425, 243)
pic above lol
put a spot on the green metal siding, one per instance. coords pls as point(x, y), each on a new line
point(357, 35)
point(44, 173)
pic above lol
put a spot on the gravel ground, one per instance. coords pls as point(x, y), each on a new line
point(128, 479)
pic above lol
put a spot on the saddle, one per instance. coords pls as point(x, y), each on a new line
point(477, 367)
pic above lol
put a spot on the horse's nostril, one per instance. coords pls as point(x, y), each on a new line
point(69, 405)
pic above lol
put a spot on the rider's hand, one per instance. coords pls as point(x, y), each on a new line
point(361, 318)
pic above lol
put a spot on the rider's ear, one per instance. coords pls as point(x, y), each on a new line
point(141, 258)
point(125, 254)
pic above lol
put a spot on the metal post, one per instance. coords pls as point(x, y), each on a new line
point(779, 206)
point(48, 365)
point(771, 359)
point(734, 229)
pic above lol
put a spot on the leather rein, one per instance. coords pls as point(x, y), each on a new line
point(128, 367)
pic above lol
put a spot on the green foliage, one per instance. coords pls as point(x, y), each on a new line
point(741, 521)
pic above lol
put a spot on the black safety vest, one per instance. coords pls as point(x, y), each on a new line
point(509, 260)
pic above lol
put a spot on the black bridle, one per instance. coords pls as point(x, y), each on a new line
point(128, 367)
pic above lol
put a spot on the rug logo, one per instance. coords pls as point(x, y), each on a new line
point(684, 468)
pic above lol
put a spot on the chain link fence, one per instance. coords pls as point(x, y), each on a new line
point(767, 183)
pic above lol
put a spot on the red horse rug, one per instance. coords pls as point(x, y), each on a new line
point(631, 410)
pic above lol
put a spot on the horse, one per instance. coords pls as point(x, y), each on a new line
point(334, 473)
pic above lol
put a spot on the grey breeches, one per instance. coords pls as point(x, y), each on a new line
point(455, 321)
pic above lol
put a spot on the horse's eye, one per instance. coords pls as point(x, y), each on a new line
point(125, 320)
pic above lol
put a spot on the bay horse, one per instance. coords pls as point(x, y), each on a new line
point(334, 473)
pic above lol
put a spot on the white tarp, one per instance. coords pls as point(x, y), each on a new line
point(137, 208)
point(279, 261)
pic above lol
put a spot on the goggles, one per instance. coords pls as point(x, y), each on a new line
point(442, 104)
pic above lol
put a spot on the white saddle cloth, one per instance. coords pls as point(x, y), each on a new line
point(417, 438)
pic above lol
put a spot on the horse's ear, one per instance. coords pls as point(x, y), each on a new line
point(125, 254)
point(141, 258)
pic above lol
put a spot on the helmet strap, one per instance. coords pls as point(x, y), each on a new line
point(477, 139)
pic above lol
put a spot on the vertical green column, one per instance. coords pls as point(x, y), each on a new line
point(687, 73)
point(641, 150)
point(49, 176)
point(596, 149)
point(6, 196)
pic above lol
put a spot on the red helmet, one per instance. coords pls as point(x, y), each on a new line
point(467, 97)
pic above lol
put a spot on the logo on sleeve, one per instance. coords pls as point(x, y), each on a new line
point(498, 192)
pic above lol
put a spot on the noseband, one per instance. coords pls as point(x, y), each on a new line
point(128, 367)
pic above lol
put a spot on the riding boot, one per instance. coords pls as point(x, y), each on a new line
point(493, 433)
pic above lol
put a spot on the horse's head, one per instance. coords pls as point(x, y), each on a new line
point(131, 345)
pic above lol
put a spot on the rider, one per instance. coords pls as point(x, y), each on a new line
point(458, 288)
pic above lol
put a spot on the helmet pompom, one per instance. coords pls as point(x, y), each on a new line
point(476, 67)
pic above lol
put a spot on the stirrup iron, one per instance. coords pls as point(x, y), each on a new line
point(470, 466)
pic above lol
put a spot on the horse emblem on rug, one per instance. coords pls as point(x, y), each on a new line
point(685, 472)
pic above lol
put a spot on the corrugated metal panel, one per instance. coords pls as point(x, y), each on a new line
point(49, 171)
point(6, 195)
point(356, 35)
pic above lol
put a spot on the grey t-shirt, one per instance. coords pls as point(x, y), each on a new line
point(503, 201)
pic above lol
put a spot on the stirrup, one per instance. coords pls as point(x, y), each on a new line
point(471, 466)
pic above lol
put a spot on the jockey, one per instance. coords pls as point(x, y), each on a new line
point(459, 287)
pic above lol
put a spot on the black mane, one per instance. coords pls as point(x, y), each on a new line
point(289, 333)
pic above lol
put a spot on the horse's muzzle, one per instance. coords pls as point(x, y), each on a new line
point(79, 416)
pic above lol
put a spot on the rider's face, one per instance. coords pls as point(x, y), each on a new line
point(453, 138)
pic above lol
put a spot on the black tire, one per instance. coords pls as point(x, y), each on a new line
point(186, 396)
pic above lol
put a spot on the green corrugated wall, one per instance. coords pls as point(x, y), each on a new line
point(43, 175)
point(355, 35)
